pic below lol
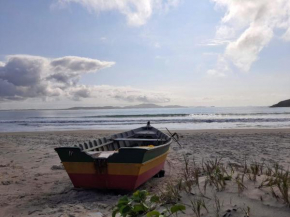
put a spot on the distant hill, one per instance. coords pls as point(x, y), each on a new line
point(285, 103)
point(126, 107)
point(88, 108)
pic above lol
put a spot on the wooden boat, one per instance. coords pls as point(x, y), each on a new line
point(121, 161)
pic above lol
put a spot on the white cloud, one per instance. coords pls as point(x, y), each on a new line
point(225, 32)
point(25, 77)
point(245, 50)
point(69, 69)
point(79, 92)
point(120, 93)
point(22, 70)
point(215, 73)
point(78, 65)
point(255, 21)
point(137, 12)
point(131, 95)
point(221, 68)
point(286, 36)
point(215, 42)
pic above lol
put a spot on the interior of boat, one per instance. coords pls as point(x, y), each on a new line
point(141, 137)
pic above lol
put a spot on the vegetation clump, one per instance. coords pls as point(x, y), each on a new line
point(189, 193)
point(141, 203)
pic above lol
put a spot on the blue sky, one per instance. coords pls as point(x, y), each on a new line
point(183, 52)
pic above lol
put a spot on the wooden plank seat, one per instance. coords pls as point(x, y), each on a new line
point(99, 146)
point(101, 154)
point(145, 132)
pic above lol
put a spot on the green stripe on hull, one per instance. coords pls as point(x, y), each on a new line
point(128, 155)
point(137, 155)
point(73, 154)
point(125, 155)
point(153, 153)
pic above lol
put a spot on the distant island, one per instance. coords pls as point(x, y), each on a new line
point(140, 106)
point(285, 103)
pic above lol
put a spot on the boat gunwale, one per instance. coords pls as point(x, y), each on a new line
point(124, 148)
point(111, 139)
point(147, 148)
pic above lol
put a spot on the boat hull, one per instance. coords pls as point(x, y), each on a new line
point(127, 169)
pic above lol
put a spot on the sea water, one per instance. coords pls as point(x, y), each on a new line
point(172, 118)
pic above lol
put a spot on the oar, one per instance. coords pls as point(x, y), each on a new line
point(173, 137)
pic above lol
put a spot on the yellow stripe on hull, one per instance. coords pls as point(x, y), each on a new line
point(80, 167)
point(114, 168)
point(135, 169)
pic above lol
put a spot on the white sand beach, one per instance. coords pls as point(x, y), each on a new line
point(33, 182)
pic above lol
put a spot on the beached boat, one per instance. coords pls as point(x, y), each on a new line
point(121, 161)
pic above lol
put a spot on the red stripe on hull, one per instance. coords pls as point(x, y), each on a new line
point(113, 181)
point(132, 182)
point(88, 180)
point(148, 174)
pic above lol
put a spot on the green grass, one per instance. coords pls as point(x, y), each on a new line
point(212, 173)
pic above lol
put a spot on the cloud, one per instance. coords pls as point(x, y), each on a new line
point(215, 73)
point(214, 42)
point(250, 27)
point(221, 68)
point(286, 36)
point(78, 65)
point(7, 89)
point(137, 12)
point(23, 70)
point(24, 77)
point(132, 95)
point(225, 32)
point(80, 92)
point(120, 93)
point(69, 69)
point(245, 50)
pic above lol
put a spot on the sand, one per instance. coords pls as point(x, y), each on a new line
point(33, 182)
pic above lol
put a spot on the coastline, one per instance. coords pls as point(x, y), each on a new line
point(112, 131)
point(174, 119)
point(33, 183)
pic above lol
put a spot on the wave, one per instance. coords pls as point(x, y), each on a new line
point(253, 114)
point(118, 116)
point(166, 115)
point(144, 121)
point(137, 116)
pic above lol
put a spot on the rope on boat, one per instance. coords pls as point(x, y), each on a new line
point(101, 165)
point(174, 136)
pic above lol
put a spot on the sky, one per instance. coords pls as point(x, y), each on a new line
point(64, 53)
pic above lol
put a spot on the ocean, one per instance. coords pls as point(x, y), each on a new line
point(172, 118)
